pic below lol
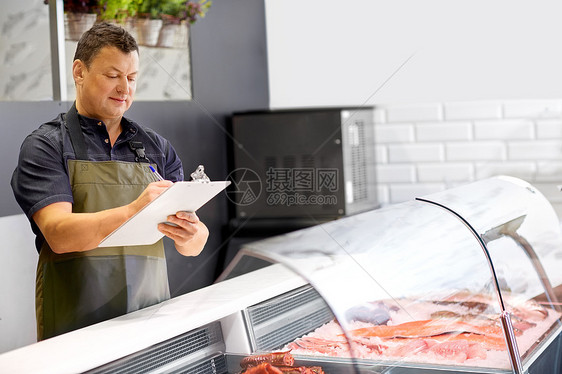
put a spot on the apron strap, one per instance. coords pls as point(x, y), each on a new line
point(76, 135)
point(138, 149)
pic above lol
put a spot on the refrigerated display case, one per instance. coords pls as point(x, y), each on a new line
point(465, 280)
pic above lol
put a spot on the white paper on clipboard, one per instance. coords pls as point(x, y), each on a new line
point(141, 229)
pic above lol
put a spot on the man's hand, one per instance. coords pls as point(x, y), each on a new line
point(150, 193)
point(188, 233)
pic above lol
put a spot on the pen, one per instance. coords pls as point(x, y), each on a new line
point(158, 176)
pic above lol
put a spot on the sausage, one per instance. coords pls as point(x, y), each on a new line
point(275, 359)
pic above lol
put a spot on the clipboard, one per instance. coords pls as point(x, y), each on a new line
point(141, 229)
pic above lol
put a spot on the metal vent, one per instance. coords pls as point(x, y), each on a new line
point(270, 162)
point(289, 161)
point(185, 350)
point(278, 321)
point(358, 160)
point(281, 336)
point(281, 304)
point(308, 161)
point(214, 365)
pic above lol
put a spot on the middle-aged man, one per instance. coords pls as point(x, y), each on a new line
point(83, 174)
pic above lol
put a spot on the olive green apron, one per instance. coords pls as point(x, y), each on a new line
point(77, 289)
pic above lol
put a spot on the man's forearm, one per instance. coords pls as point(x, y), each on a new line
point(66, 231)
point(77, 232)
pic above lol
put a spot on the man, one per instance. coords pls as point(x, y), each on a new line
point(83, 174)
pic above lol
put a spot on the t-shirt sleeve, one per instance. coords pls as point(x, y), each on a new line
point(173, 168)
point(41, 178)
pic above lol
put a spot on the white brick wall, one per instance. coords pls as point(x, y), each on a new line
point(532, 109)
point(415, 112)
point(445, 172)
point(417, 152)
point(425, 148)
point(549, 128)
point(472, 111)
point(537, 150)
point(504, 129)
point(443, 131)
point(394, 133)
point(524, 170)
point(477, 150)
point(549, 171)
point(396, 173)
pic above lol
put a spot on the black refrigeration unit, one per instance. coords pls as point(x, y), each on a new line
point(303, 166)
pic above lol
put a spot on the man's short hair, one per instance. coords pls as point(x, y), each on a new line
point(103, 35)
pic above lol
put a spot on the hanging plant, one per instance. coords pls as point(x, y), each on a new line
point(174, 11)
point(117, 10)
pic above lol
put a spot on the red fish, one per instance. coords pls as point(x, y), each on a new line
point(408, 347)
point(488, 342)
point(458, 350)
point(319, 345)
point(427, 328)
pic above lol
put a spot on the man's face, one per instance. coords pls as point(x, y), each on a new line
point(106, 89)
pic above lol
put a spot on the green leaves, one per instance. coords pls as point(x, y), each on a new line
point(117, 10)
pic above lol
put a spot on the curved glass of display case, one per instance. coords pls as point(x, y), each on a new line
point(464, 280)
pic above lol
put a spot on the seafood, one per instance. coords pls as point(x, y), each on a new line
point(319, 345)
point(377, 313)
point(374, 345)
point(447, 314)
point(275, 363)
point(302, 370)
point(529, 310)
point(519, 324)
point(263, 368)
point(426, 328)
point(461, 327)
point(275, 359)
point(476, 306)
point(488, 342)
point(458, 350)
point(408, 347)
point(464, 295)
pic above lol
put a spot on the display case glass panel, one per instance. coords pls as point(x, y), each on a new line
point(463, 280)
